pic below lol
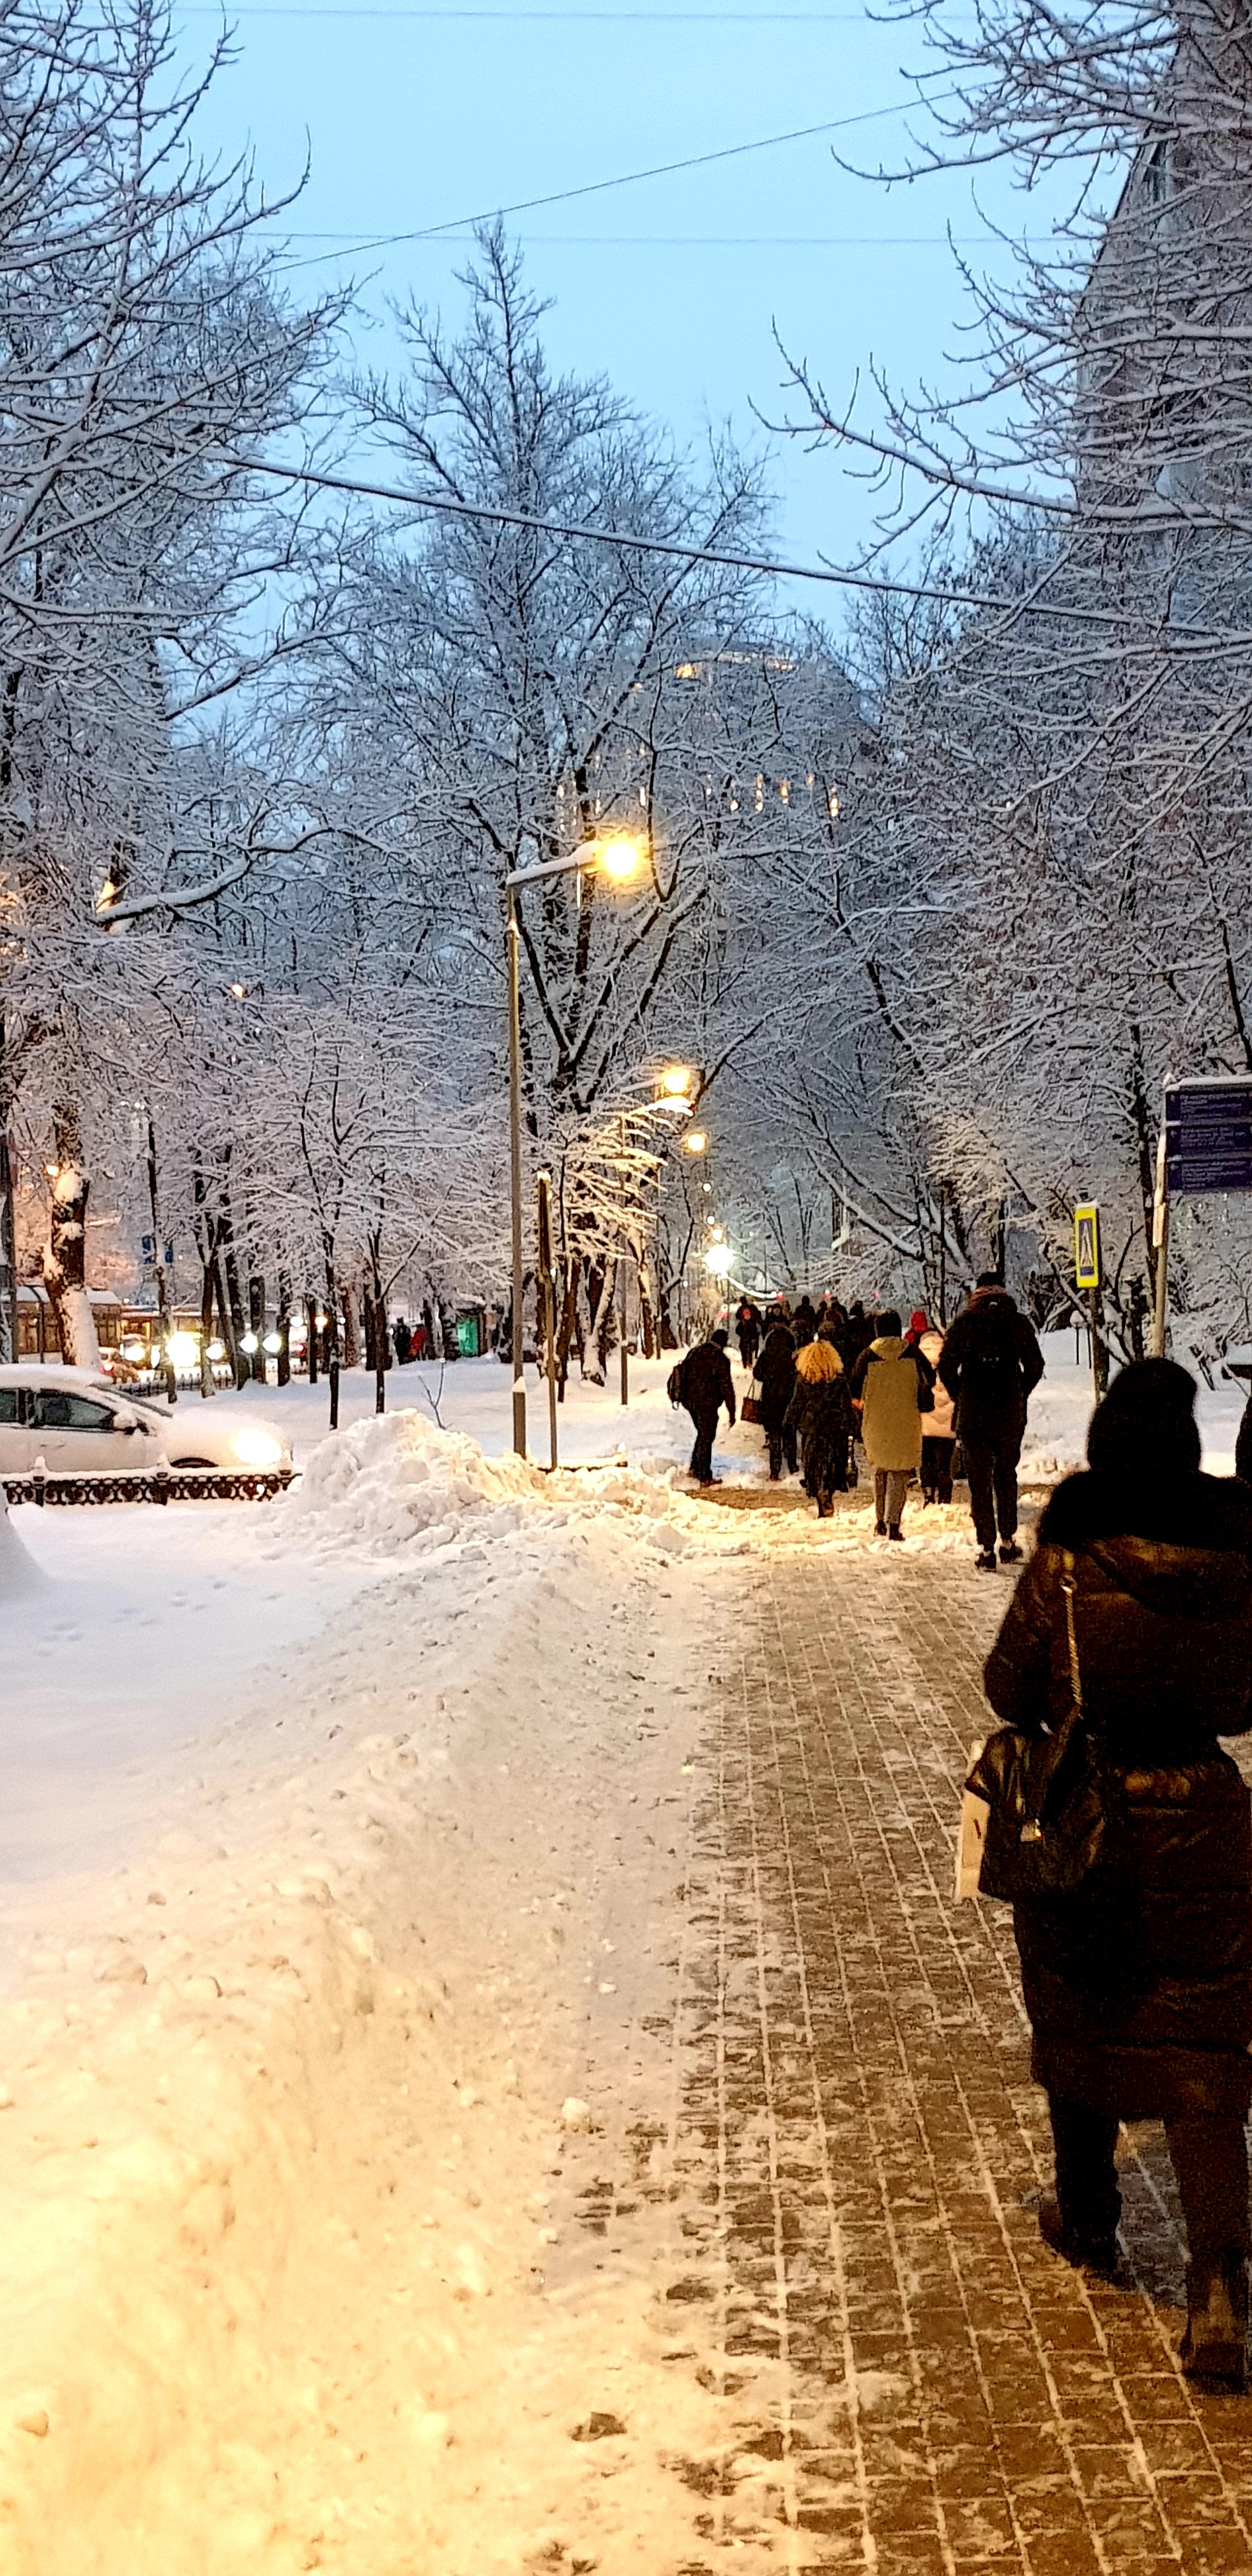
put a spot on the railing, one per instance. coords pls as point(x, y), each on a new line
point(164, 1485)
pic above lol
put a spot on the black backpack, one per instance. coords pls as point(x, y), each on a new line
point(675, 1383)
point(992, 1361)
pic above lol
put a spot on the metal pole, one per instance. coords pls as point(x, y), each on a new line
point(9, 1327)
point(621, 1283)
point(515, 1172)
point(8, 1248)
point(1160, 1244)
point(1099, 1369)
point(158, 1269)
point(621, 1332)
point(543, 1213)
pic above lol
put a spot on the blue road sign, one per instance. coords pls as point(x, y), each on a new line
point(1208, 1137)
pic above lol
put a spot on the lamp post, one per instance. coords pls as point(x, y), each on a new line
point(619, 858)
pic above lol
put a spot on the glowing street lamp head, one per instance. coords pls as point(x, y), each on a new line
point(719, 1261)
point(695, 1141)
point(676, 1081)
point(621, 857)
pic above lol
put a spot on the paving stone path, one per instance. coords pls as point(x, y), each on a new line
point(921, 2387)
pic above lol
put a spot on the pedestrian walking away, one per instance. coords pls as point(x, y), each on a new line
point(939, 1429)
point(990, 1365)
point(703, 1384)
point(1138, 1986)
point(892, 1385)
point(775, 1380)
point(748, 1332)
point(819, 1417)
point(804, 1321)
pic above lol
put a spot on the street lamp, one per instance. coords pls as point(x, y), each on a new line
point(676, 1082)
point(619, 857)
point(695, 1141)
point(719, 1261)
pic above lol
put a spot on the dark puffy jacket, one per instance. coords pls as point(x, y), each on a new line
point(990, 1362)
point(776, 1375)
point(820, 1413)
point(1139, 1989)
point(1243, 1444)
point(707, 1382)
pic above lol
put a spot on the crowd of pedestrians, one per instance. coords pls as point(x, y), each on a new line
point(1134, 1617)
point(925, 1405)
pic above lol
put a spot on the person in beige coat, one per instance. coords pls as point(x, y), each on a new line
point(891, 1382)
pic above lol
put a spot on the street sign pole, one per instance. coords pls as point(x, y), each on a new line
point(1160, 1246)
point(1087, 1276)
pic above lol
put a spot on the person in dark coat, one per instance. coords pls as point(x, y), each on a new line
point(820, 1417)
point(991, 1363)
point(804, 1322)
point(706, 1385)
point(859, 1333)
point(1243, 1444)
point(748, 1332)
point(1139, 1986)
point(403, 1341)
point(775, 1380)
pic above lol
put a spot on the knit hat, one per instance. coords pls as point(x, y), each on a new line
point(919, 1321)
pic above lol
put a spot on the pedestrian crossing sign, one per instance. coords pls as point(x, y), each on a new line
point(1087, 1247)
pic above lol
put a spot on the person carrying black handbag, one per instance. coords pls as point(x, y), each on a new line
point(1138, 1980)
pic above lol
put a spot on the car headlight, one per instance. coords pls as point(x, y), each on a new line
point(257, 1448)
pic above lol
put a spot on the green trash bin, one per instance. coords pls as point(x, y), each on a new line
point(468, 1336)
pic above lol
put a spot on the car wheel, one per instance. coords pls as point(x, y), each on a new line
point(193, 1462)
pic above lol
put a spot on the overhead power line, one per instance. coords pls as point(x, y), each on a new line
point(547, 17)
point(445, 506)
point(628, 178)
point(722, 241)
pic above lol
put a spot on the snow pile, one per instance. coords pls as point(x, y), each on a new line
point(398, 1483)
point(18, 1575)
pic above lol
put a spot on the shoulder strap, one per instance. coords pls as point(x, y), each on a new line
point(1069, 1588)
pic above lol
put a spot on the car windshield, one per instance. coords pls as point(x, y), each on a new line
point(149, 1406)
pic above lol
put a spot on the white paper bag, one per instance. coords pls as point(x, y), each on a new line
point(972, 1831)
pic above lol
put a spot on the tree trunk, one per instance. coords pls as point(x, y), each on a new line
point(206, 1324)
point(234, 1326)
point(256, 1325)
point(284, 1329)
point(64, 1260)
point(351, 1337)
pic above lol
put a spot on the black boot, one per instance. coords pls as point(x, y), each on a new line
point(1215, 2342)
point(1092, 2253)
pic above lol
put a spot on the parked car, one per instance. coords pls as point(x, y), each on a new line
point(77, 1422)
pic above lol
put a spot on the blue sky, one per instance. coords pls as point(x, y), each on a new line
point(672, 286)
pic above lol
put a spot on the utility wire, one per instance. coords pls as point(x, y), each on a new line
point(548, 17)
point(627, 179)
point(879, 583)
point(726, 241)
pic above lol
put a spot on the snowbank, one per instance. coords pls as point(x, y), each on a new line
point(283, 2102)
point(19, 1576)
point(398, 1485)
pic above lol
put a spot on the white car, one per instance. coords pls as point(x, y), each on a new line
point(76, 1421)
